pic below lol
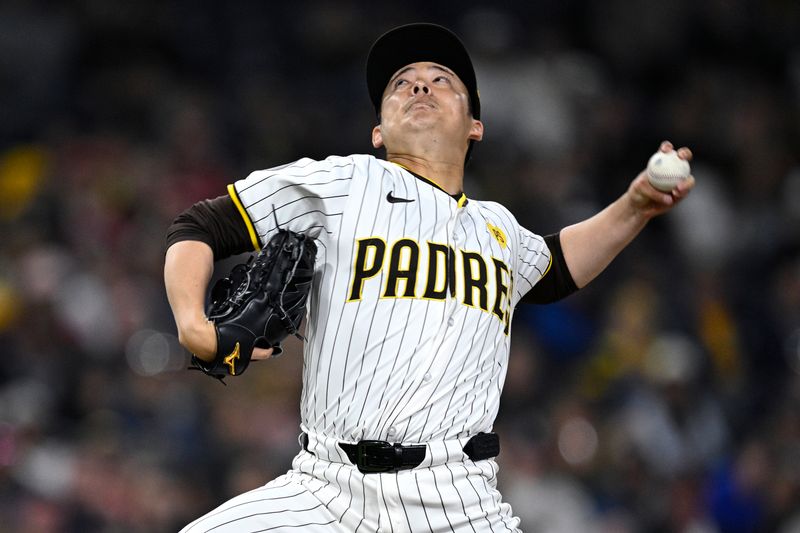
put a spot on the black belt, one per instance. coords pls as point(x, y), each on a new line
point(378, 456)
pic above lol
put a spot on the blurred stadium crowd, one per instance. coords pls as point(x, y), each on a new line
point(665, 397)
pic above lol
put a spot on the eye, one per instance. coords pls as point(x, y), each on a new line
point(440, 79)
point(399, 82)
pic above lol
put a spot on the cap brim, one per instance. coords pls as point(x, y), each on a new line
point(413, 43)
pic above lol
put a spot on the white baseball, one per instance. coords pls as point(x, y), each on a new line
point(665, 170)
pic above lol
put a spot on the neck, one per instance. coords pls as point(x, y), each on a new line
point(448, 175)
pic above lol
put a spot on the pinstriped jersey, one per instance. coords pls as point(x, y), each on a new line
point(409, 315)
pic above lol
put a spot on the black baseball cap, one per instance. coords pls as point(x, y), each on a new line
point(412, 43)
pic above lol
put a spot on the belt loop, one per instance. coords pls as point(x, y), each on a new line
point(398, 456)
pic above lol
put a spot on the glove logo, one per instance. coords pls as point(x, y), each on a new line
point(498, 234)
point(230, 359)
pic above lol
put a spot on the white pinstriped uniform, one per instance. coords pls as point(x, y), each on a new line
point(396, 350)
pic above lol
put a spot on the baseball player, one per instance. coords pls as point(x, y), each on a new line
point(409, 314)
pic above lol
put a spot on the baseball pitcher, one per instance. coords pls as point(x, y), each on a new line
point(409, 289)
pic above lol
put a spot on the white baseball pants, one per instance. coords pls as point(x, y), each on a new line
point(324, 492)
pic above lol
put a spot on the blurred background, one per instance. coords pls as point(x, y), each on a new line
point(665, 397)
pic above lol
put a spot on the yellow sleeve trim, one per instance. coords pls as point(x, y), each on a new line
point(250, 228)
point(549, 264)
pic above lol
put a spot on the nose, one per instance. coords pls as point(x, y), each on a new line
point(420, 86)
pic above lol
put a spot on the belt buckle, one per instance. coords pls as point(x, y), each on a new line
point(369, 463)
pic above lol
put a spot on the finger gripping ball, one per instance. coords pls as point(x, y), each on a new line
point(665, 170)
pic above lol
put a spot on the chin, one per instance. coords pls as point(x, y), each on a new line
point(422, 118)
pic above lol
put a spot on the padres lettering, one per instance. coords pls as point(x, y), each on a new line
point(462, 274)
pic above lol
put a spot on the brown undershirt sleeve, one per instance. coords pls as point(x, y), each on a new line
point(217, 223)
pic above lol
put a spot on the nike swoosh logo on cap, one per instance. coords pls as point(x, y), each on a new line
point(396, 200)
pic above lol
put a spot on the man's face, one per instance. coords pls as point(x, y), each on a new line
point(428, 97)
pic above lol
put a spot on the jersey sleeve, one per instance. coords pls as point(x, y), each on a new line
point(557, 282)
point(534, 259)
point(307, 196)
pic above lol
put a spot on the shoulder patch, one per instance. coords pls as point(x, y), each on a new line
point(498, 234)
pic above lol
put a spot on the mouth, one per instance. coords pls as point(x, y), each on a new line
point(420, 104)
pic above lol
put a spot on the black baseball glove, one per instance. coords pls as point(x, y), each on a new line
point(260, 303)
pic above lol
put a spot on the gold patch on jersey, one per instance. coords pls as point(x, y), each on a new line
point(498, 234)
point(230, 360)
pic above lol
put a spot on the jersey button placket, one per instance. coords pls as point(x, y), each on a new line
point(451, 302)
point(458, 239)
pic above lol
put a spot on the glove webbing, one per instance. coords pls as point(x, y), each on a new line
point(290, 276)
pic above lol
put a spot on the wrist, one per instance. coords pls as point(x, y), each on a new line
point(634, 210)
point(199, 336)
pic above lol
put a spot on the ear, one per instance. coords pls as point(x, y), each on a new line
point(476, 130)
point(377, 138)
